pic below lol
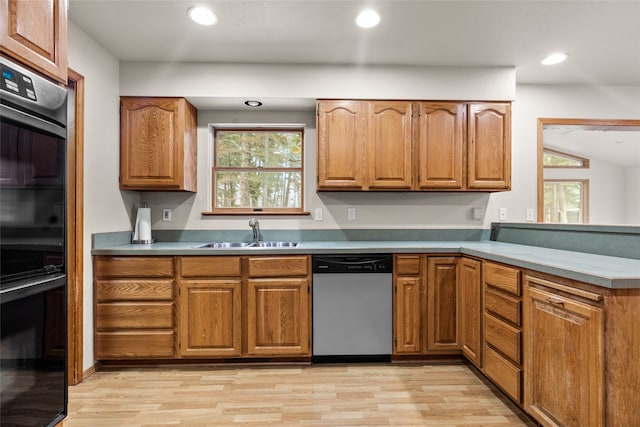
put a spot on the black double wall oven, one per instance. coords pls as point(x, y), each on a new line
point(33, 117)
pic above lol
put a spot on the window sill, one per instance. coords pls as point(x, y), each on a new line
point(255, 213)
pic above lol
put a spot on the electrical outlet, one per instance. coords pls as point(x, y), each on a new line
point(166, 215)
point(318, 215)
point(530, 215)
point(503, 214)
point(351, 214)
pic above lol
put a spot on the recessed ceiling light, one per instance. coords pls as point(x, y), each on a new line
point(368, 18)
point(252, 103)
point(555, 58)
point(202, 15)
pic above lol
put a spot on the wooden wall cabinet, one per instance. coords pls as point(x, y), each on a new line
point(502, 327)
point(134, 309)
point(409, 306)
point(471, 309)
point(158, 144)
point(413, 146)
point(35, 33)
point(564, 357)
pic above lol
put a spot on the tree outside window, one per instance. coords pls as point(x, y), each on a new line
point(565, 201)
point(258, 170)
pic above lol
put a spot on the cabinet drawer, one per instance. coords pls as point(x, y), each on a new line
point(278, 266)
point(502, 277)
point(129, 345)
point(407, 265)
point(105, 267)
point(149, 315)
point(503, 337)
point(210, 266)
point(504, 374)
point(137, 290)
point(503, 306)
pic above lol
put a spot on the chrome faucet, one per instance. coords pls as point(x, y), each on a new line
point(255, 225)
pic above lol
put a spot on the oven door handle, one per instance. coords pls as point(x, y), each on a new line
point(31, 121)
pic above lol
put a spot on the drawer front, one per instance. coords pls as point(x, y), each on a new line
point(407, 265)
point(152, 315)
point(504, 374)
point(210, 266)
point(505, 338)
point(132, 345)
point(282, 266)
point(503, 306)
point(135, 266)
point(136, 290)
point(502, 277)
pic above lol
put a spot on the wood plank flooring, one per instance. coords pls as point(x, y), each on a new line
point(316, 395)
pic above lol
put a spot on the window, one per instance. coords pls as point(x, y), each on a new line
point(258, 170)
point(566, 201)
point(558, 159)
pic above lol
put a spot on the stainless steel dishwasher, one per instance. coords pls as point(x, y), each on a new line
point(352, 308)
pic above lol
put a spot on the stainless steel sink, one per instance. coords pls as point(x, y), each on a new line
point(222, 245)
point(236, 245)
point(274, 244)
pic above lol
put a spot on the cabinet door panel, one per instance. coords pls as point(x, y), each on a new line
point(210, 318)
point(442, 305)
point(341, 144)
point(408, 322)
point(36, 32)
point(389, 144)
point(470, 310)
point(564, 353)
point(489, 146)
point(441, 145)
point(278, 317)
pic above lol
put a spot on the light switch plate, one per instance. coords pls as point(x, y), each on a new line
point(318, 215)
point(351, 214)
point(503, 214)
point(530, 215)
point(166, 215)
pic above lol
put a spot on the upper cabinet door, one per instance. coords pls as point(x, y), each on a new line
point(489, 151)
point(441, 145)
point(341, 133)
point(35, 33)
point(157, 144)
point(389, 144)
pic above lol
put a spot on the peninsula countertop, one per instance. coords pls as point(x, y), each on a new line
point(600, 270)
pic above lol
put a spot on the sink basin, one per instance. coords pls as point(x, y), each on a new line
point(274, 244)
point(222, 245)
point(236, 245)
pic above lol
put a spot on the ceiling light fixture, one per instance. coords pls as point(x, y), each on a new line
point(202, 15)
point(252, 103)
point(555, 58)
point(368, 18)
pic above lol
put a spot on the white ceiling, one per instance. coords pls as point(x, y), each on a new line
point(601, 37)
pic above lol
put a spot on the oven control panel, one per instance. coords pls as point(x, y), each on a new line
point(17, 83)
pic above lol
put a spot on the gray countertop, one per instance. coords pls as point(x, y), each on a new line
point(600, 270)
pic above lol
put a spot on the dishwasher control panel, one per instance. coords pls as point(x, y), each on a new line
point(352, 264)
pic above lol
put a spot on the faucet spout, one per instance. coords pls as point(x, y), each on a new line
point(255, 225)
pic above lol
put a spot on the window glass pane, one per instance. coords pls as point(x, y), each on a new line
point(557, 159)
point(259, 149)
point(258, 189)
point(564, 202)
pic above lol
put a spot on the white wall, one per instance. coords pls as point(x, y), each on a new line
point(632, 195)
point(106, 208)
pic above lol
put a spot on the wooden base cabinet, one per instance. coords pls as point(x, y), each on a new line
point(409, 304)
point(443, 302)
point(471, 309)
point(564, 352)
point(134, 309)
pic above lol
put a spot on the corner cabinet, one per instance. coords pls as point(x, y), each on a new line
point(443, 305)
point(413, 146)
point(471, 309)
point(158, 144)
point(35, 33)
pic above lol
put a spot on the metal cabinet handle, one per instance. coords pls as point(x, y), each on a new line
point(555, 301)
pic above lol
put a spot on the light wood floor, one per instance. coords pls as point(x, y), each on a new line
point(317, 395)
